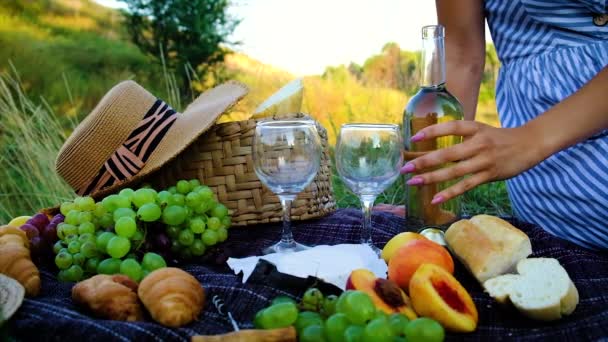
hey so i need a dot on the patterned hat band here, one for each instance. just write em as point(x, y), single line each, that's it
point(131, 156)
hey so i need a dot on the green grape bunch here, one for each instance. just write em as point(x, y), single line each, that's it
point(119, 233)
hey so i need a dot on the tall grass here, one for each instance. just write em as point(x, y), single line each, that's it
point(30, 137)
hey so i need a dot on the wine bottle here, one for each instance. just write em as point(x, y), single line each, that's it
point(432, 104)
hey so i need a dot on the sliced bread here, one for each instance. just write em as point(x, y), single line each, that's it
point(542, 290)
point(487, 245)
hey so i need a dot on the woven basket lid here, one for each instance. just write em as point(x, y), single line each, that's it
point(11, 297)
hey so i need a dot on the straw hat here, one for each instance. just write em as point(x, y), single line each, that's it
point(11, 296)
point(131, 133)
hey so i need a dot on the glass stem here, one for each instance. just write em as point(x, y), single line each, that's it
point(286, 235)
point(367, 201)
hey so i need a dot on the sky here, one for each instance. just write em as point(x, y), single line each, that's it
point(304, 37)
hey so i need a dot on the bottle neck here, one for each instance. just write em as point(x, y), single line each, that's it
point(433, 62)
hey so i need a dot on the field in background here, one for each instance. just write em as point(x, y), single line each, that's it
point(59, 58)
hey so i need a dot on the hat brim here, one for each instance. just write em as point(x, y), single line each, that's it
point(198, 117)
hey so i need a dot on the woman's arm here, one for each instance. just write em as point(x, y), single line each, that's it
point(492, 153)
point(465, 49)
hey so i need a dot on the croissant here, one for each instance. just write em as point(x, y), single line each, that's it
point(173, 297)
point(15, 260)
point(109, 296)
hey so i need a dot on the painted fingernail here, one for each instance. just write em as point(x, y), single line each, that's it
point(408, 167)
point(415, 181)
point(417, 137)
point(437, 199)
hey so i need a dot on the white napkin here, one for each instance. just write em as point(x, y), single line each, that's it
point(333, 264)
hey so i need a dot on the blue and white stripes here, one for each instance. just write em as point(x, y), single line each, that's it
point(549, 49)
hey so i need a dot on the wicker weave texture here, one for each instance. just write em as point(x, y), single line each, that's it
point(222, 159)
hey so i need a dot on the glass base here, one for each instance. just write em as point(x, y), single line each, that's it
point(284, 247)
point(376, 250)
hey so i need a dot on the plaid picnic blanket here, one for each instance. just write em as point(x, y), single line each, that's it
point(53, 317)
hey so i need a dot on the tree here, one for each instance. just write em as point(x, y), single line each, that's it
point(186, 34)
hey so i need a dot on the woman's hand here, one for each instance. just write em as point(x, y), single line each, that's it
point(487, 154)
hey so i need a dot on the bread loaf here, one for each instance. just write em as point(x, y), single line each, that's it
point(487, 245)
point(542, 290)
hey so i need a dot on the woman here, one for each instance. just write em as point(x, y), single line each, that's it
point(551, 96)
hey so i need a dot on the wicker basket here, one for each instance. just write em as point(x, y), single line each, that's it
point(222, 160)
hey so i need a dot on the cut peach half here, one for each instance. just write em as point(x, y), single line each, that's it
point(385, 294)
point(437, 294)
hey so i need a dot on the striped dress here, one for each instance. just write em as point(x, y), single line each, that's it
point(548, 50)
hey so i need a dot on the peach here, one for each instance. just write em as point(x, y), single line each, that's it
point(397, 241)
point(409, 257)
point(437, 294)
point(385, 294)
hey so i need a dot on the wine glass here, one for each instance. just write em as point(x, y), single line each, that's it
point(286, 158)
point(368, 157)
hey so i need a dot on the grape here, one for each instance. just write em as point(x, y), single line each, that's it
point(49, 233)
point(226, 222)
point(202, 208)
point(305, 319)
point(197, 225)
point(424, 329)
point(86, 227)
point(57, 219)
point(66, 207)
point(63, 260)
point(214, 223)
point(185, 253)
point(279, 316)
point(173, 232)
point(85, 203)
point(257, 319)
point(220, 211)
point(78, 259)
point(124, 212)
point(186, 237)
point(163, 198)
point(102, 241)
point(106, 220)
point(209, 237)
point(74, 246)
point(37, 245)
point(39, 220)
point(174, 215)
point(172, 189)
point(143, 196)
point(222, 234)
point(109, 266)
point(194, 183)
point(70, 238)
point(62, 276)
point(110, 203)
point(183, 186)
point(85, 216)
point(138, 236)
point(353, 333)
point(193, 200)
point(131, 255)
point(175, 246)
point(282, 299)
point(127, 193)
point(88, 249)
point(122, 202)
point(57, 246)
point(177, 199)
point(86, 237)
point(312, 299)
point(378, 330)
point(30, 230)
point(132, 269)
point(329, 305)
point(335, 326)
point(357, 306)
point(398, 322)
point(73, 218)
point(149, 212)
point(152, 261)
point(118, 247)
point(64, 230)
point(74, 273)
point(197, 248)
point(312, 333)
point(99, 211)
point(206, 194)
point(125, 227)
point(91, 265)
